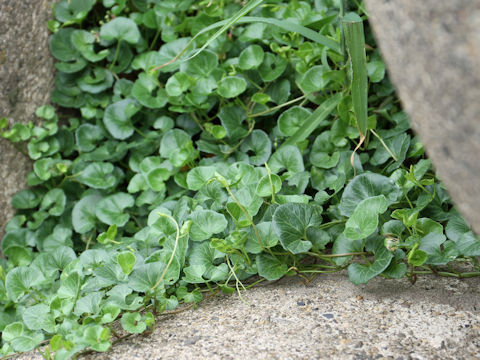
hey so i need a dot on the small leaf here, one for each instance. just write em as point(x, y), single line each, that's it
point(83, 214)
point(110, 209)
point(367, 185)
point(270, 268)
point(198, 177)
point(121, 29)
point(260, 144)
point(364, 219)
point(132, 323)
point(126, 260)
point(291, 121)
point(54, 201)
point(205, 223)
point(287, 158)
point(268, 185)
point(361, 274)
point(117, 118)
point(231, 87)
point(295, 224)
point(98, 175)
point(251, 57)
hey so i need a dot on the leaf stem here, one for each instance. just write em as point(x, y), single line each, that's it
point(115, 57)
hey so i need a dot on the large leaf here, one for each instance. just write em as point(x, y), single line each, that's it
point(121, 29)
point(98, 175)
point(20, 281)
point(367, 185)
point(364, 219)
point(83, 213)
point(296, 225)
point(110, 209)
point(117, 118)
point(205, 223)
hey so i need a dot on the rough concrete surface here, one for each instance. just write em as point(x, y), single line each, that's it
point(437, 318)
point(432, 52)
point(26, 80)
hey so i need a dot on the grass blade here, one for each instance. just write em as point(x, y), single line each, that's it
point(355, 46)
point(314, 120)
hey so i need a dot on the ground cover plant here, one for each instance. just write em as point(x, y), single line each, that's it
point(197, 147)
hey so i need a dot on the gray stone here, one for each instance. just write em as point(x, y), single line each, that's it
point(27, 78)
point(432, 52)
point(364, 326)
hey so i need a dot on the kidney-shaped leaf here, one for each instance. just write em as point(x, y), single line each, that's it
point(117, 118)
point(367, 185)
point(364, 219)
point(110, 209)
point(295, 224)
point(121, 29)
point(83, 213)
point(205, 223)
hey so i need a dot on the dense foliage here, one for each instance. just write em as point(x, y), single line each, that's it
point(162, 175)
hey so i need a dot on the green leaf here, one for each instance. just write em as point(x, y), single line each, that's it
point(272, 67)
point(313, 121)
point(145, 277)
point(83, 41)
point(98, 175)
point(38, 317)
point(364, 219)
point(268, 238)
point(20, 281)
point(126, 260)
point(177, 147)
point(361, 274)
point(147, 92)
point(205, 223)
point(26, 199)
point(231, 87)
point(295, 224)
point(178, 84)
point(54, 201)
point(260, 144)
point(232, 118)
point(95, 81)
point(117, 118)
point(198, 177)
point(269, 185)
point(376, 70)
point(291, 121)
point(367, 185)
point(132, 323)
point(88, 304)
point(97, 337)
point(61, 45)
point(314, 79)
point(201, 65)
point(120, 29)
point(69, 286)
point(270, 268)
point(83, 213)
point(287, 158)
point(251, 57)
point(87, 136)
point(110, 209)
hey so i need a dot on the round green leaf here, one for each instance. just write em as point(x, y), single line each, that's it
point(110, 209)
point(198, 177)
point(117, 118)
point(205, 223)
point(231, 86)
point(121, 29)
point(83, 214)
point(147, 92)
point(54, 201)
point(95, 81)
point(132, 323)
point(270, 268)
point(201, 65)
point(177, 147)
point(260, 144)
point(291, 120)
point(20, 280)
point(287, 157)
point(313, 80)
point(126, 260)
point(98, 175)
point(268, 185)
point(87, 136)
point(272, 67)
point(251, 57)
point(295, 224)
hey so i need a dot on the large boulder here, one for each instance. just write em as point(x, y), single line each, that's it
point(27, 78)
point(432, 52)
